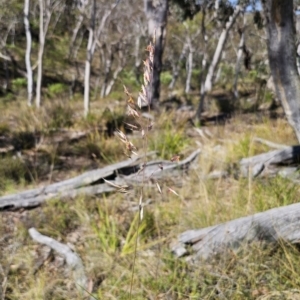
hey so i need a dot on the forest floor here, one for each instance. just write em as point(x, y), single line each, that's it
point(55, 143)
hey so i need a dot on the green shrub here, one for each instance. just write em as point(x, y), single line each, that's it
point(129, 79)
point(169, 142)
point(61, 115)
point(12, 170)
point(56, 89)
point(165, 78)
point(19, 83)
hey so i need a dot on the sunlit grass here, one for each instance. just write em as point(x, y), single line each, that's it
point(102, 230)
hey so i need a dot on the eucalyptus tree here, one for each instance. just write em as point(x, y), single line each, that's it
point(228, 15)
point(28, 53)
point(156, 13)
point(9, 18)
point(240, 51)
point(99, 14)
point(46, 10)
point(281, 39)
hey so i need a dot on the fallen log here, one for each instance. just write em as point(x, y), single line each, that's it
point(73, 261)
point(131, 172)
point(263, 163)
point(161, 168)
point(274, 225)
point(34, 197)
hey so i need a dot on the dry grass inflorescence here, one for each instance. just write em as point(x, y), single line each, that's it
point(108, 232)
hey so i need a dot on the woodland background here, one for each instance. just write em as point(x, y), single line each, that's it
point(62, 99)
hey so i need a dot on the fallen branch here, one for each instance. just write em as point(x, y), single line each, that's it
point(274, 225)
point(269, 143)
point(93, 182)
point(161, 168)
point(32, 198)
point(255, 165)
point(72, 259)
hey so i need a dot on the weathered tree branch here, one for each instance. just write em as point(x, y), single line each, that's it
point(264, 162)
point(269, 143)
point(93, 182)
point(274, 225)
point(72, 259)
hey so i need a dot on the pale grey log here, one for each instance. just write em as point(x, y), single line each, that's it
point(288, 155)
point(79, 185)
point(153, 170)
point(36, 196)
point(274, 225)
point(34, 201)
point(72, 259)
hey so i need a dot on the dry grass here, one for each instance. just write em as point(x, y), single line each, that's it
point(108, 232)
point(103, 231)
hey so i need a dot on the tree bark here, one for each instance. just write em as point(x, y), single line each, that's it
point(156, 12)
point(218, 52)
point(176, 66)
point(89, 56)
point(189, 66)
point(28, 52)
point(204, 64)
point(282, 57)
point(94, 36)
point(42, 37)
point(209, 80)
point(115, 74)
point(75, 34)
point(239, 57)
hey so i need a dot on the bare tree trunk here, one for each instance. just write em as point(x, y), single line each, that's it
point(239, 57)
point(116, 73)
point(108, 63)
point(282, 57)
point(137, 59)
point(189, 67)
point(93, 39)
point(204, 64)
point(209, 81)
point(218, 52)
point(42, 37)
point(5, 56)
point(40, 56)
point(113, 80)
point(156, 13)
point(89, 56)
point(27, 55)
point(219, 71)
point(74, 35)
point(176, 66)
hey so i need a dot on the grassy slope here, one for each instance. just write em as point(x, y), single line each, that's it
point(102, 229)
